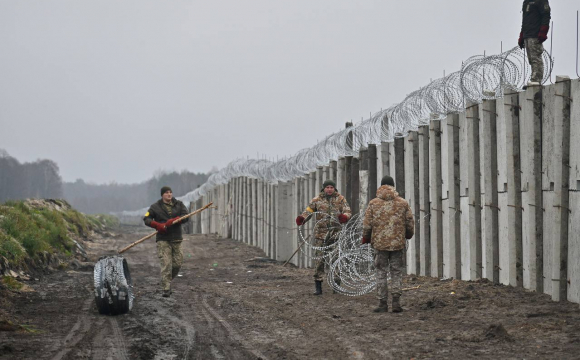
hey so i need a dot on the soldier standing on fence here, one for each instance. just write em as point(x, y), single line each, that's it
point(535, 25)
point(330, 206)
point(163, 216)
point(387, 224)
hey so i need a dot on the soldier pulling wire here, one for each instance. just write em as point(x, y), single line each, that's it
point(332, 210)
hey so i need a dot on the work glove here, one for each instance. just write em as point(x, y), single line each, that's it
point(300, 220)
point(173, 221)
point(543, 35)
point(159, 227)
point(366, 240)
point(521, 40)
point(342, 218)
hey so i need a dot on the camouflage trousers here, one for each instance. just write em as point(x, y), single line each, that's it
point(385, 262)
point(170, 258)
point(535, 49)
point(320, 263)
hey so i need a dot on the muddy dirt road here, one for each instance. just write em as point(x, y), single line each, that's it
point(230, 304)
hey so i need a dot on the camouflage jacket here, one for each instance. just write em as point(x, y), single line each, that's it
point(332, 205)
point(388, 220)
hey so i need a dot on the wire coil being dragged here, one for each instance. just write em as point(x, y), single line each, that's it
point(350, 265)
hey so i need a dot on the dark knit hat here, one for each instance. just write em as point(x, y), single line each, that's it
point(165, 189)
point(387, 180)
point(328, 182)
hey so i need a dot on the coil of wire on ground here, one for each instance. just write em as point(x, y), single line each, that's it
point(113, 285)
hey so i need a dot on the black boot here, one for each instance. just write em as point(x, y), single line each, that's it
point(383, 307)
point(396, 305)
point(337, 281)
point(318, 284)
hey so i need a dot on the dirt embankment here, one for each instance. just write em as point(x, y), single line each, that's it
point(231, 303)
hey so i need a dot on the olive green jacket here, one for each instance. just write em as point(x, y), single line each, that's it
point(158, 212)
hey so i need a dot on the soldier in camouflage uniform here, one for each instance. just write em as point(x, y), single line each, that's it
point(535, 26)
point(388, 222)
point(163, 216)
point(330, 205)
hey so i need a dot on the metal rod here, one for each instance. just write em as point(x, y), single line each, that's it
point(551, 45)
point(577, 44)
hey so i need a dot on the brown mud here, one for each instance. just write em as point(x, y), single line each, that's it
point(231, 303)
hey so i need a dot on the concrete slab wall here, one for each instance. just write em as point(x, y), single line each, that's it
point(494, 191)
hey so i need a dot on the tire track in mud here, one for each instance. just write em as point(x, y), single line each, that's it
point(121, 349)
point(189, 331)
point(293, 325)
point(78, 331)
point(229, 328)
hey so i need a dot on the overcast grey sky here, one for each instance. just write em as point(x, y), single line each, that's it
point(116, 90)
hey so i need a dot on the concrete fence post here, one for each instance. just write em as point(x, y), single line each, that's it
point(489, 168)
point(355, 185)
point(453, 262)
point(511, 265)
point(372, 167)
point(411, 153)
point(255, 212)
point(284, 222)
point(574, 218)
point(436, 198)
point(363, 191)
point(348, 180)
point(384, 164)
point(531, 104)
point(296, 205)
point(474, 194)
point(555, 184)
point(341, 177)
point(333, 169)
point(274, 225)
point(425, 205)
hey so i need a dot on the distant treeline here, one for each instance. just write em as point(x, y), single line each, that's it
point(39, 179)
point(95, 199)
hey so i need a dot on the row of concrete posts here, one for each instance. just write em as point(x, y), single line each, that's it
point(495, 192)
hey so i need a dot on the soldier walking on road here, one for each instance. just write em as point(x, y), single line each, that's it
point(163, 216)
point(330, 206)
point(535, 25)
point(388, 222)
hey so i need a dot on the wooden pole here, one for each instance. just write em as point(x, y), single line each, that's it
point(155, 233)
point(299, 247)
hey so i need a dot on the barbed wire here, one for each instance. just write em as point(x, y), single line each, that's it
point(481, 78)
